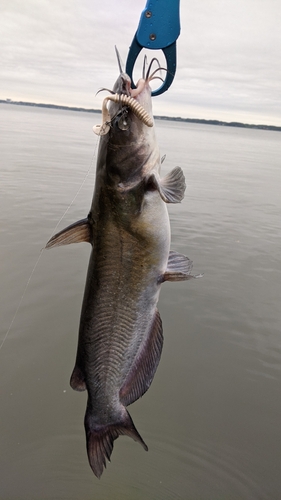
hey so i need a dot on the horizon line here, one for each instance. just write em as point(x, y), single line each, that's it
point(158, 117)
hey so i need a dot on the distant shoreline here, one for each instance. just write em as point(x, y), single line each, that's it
point(167, 118)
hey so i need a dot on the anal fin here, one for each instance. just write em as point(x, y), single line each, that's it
point(143, 370)
point(75, 233)
point(179, 268)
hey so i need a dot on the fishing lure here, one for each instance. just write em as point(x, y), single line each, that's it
point(135, 106)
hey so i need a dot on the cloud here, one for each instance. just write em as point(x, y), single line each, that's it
point(63, 52)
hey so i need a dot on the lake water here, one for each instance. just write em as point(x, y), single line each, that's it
point(212, 416)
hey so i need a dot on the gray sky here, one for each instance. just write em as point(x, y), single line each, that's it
point(229, 55)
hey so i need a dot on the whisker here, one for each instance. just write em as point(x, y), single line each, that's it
point(144, 66)
point(156, 78)
point(150, 65)
point(119, 60)
point(157, 69)
point(108, 90)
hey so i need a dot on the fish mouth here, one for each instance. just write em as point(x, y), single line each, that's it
point(137, 99)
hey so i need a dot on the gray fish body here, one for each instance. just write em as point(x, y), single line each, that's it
point(119, 307)
point(120, 335)
point(121, 292)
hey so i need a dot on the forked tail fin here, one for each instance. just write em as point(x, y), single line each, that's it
point(100, 439)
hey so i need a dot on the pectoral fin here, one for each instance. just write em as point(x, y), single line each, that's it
point(143, 370)
point(179, 268)
point(75, 233)
point(172, 187)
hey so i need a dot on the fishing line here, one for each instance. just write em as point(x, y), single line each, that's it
point(21, 299)
point(42, 250)
point(79, 189)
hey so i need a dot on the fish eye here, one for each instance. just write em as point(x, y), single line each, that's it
point(121, 119)
point(123, 123)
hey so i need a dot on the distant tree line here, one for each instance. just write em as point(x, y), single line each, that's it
point(169, 118)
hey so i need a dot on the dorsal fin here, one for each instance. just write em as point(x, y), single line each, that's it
point(77, 379)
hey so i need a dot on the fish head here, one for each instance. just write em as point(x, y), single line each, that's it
point(128, 133)
point(127, 174)
point(134, 103)
point(129, 109)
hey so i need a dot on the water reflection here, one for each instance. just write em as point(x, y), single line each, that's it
point(212, 416)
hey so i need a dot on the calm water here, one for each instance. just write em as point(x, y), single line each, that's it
point(212, 416)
